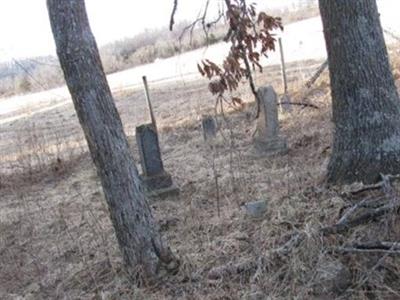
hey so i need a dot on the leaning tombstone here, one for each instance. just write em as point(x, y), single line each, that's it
point(267, 139)
point(157, 182)
point(209, 127)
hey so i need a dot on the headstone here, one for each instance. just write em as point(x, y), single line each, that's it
point(256, 209)
point(156, 180)
point(268, 139)
point(209, 127)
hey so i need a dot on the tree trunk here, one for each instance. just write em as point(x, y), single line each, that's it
point(139, 240)
point(365, 102)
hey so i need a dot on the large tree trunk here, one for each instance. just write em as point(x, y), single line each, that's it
point(365, 102)
point(140, 242)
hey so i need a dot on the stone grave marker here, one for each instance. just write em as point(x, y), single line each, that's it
point(156, 180)
point(267, 139)
point(209, 127)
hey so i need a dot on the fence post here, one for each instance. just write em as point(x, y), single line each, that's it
point(285, 100)
point(149, 106)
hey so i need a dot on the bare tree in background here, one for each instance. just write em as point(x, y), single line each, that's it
point(247, 30)
point(365, 102)
point(144, 252)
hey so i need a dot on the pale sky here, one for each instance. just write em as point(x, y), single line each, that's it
point(25, 29)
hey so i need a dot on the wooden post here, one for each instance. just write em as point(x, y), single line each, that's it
point(149, 106)
point(283, 67)
point(285, 100)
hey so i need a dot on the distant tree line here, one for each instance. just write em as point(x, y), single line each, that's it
point(42, 73)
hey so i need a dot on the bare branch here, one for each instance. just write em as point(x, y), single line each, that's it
point(372, 247)
point(200, 20)
point(172, 20)
point(299, 103)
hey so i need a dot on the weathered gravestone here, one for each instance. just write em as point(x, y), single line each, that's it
point(267, 138)
point(156, 180)
point(209, 127)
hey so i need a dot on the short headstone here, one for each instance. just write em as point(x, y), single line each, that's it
point(267, 139)
point(209, 127)
point(156, 180)
point(256, 209)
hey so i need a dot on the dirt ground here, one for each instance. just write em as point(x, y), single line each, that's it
point(56, 238)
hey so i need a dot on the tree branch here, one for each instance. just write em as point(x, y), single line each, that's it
point(172, 20)
point(299, 103)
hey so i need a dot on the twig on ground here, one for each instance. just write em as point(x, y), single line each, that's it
point(373, 247)
point(230, 269)
point(293, 242)
point(304, 104)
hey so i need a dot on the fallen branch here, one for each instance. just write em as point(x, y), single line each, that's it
point(372, 247)
point(351, 211)
point(304, 104)
point(370, 215)
point(345, 250)
point(318, 73)
point(293, 242)
point(350, 219)
point(230, 269)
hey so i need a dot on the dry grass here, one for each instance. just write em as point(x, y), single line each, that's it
point(57, 241)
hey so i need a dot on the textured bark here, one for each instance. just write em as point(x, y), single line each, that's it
point(139, 240)
point(365, 102)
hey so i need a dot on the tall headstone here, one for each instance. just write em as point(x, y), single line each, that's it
point(268, 139)
point(156, 180)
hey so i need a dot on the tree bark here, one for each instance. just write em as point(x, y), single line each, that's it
point(139, 240)
point(365, 102)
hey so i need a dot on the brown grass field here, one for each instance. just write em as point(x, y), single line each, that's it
point(56, 239)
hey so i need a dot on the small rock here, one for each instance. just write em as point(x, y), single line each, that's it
point(256, 209)
point(33, 288)
point(167, 223)
point(240, 236)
